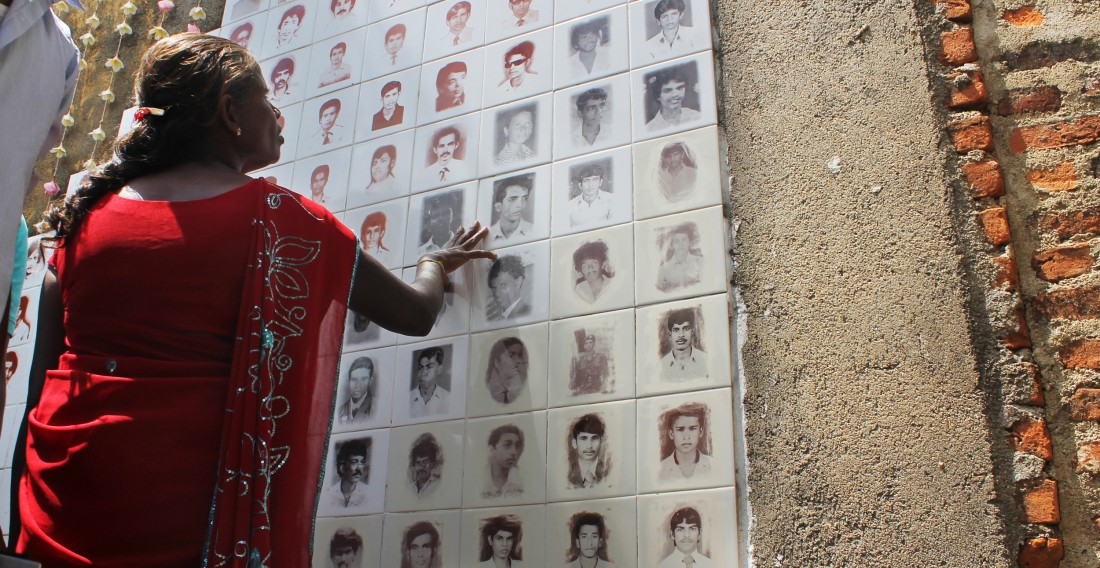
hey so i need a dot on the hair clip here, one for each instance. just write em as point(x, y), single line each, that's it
point(143, 112)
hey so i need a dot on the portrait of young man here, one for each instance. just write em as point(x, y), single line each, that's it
point(352, 469)
point(588, 545)
point(444, 165)
point(381, 169)
point(329, 131)
point(281, 77)
point(587, 463)
point(341, 9)
point(345, 550)
point(685, 528)
point(511, 210)
point(391, 113)
point(682, 264)
point(450, 86)
point(591, 263)
point(288, 32)
point(338, 69)
point(502, 475)
point(372, 232)
point(506, 278)
point(677, 171)
point(669, 91)
point(518, 61)
point(420, 548)
point(515, 133)
point(442, 214)
point(359, 405)
point(318, 179)
point(590, 368)
point(673, 37)
point(501, 538)
point(458, 31)
point(520, 17)
point(506, 376)
point(590, 126)
point(425, 465)
point(682, 454)
point(593, 203)
point(242, 34)
point(684, 359)
point(590, 55)
point(393, 41)
point(428, 397)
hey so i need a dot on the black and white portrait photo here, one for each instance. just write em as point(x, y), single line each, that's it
point(361, 394)
point(364, 390)
point(514, 288)
point(340, 16)
point(289, 27)
point(682, 351)
point(352, 486)
point(512, 210)
point(591, 451)
point(589, 462)
point(394, 44)
point(447, 152)
point(592, 533)
point(429, 395)
point(588, 272)
point(679, 349)
point(682, 263)
point(666, 29)
point(676, 173)
point(381, 169)
point(507, 18)
point(434, 385)
point(521, 136)
point(454, 26)
point(511, 366)
point(592, 192)
point(285, 76)
point(681, 255)
point(501, 542)
point(328, 122)
point(589, 541)
point(592, 117)
point(518, 68)
point(568, 10)
point(687, 529)
point(506, 376)
point(425, 467)
point(506, 459)
point(591, 368)
point(591, 47)
point(512, 537)
point(336, 62)
point(684, 440)
point(420, 540)
point(674, 96)
point(592, 358)
point(685, 447)
point(347, 542)
point(434, 218)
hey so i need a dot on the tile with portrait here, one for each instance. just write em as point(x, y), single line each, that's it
point(381, 230)
point(281, 175)
point(507, 371)
point(381, 169)
point(451, 86)
point(290, 117)
point(591, 192)
point(387, 105)
point(674, 96)
point(430, 382)
point(519, 67)
point(600, 531)
point(434, 216)
point(364, 390)
point(355, 474)
point(591, 47)
point(569, 9)
point(430, 539)
point(504, 536)
point(454, 317)
point(685, 441)
point(515, 206)
point(591, 117)
point(592, 272)
point(362, 333)
point(355, 542)
point(253, 33)
point(684, 345)
point(336, 62)
point(677, 173)
point(26, 318)
point(236, 10)
point(39, 253)
point(394, 45)
point(425, 467)
point(17, 372)
point(512, 290)
point(324, 178)
point(591, 359)
point(681, 255)
point(334, 17)
point(286, 77)
point(508, 18)
point(590, 451)
point(516, 136)
point(505, 460)
point(446, 152)
point(702, 524)
point(384, 9)
point(328, 121)
point(667, 29)
point(289, 27)
point(453, 26)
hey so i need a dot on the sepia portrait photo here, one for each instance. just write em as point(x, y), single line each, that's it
point(380, 229)
point(507, 18)
point(433, 386)
point(384, 9)
point(249, 34)
point(289, 27)
point(286, 77)
point(517, 206)
point(590, 272)
point(513, 289)
point(381, 169)
point(420, 540)
point(676, 445)
point(666, 29)
point(323, 178)
point(454, 26)
point(592, 191)
point(519, 68)
point(677, 173)
point(521, 136)
point(364, 390)
point(681, 255)
point(434, 217)
point(591, 451)
point(591, 47)
point(457, 86)
point(591, 358)
point(336, 63)
point(425, 467)
point(588, 533)
point(394, 45)
point(338, 16)
point(446, 152)
point(592, 117)
point(26, 317)
point(328, 122)
point(348, 542)
point(17, 371)
point(511, 537)
point(505, 460)
point(693, 528)
point(388, 104)
point(674, 96)
point(352, 486)
point(507, 371)
point(680, 349)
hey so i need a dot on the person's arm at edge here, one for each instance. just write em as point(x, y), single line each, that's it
point(411, 309)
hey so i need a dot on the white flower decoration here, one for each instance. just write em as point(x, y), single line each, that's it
point(197, 13)
point(87, 39)
point(92, 21)
point(129, 9)
point(58, 151)
point(158, 33)
point(60, 8)
point(89, 164)
point(68, 120)
point(83, 64)
point(98, 134)
point(124, 29)
point(107, 95)
point(114, 64)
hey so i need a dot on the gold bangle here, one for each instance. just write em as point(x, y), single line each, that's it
point(433, 261)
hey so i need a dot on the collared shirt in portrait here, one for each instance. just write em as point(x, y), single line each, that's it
point(330, 76)
point(602, 138)
point(504, 389)
point(352, 412)
point(675, 273)
point(281, 96)
point(497, 237)
point(586, 475)
point(443, 102)
point(380, 121)
point(687, 40)
point(687, 116)
point(511, 21)
point(670, 469)
point(463, 36)
point(694, 366)
point(678, 185)
point(600, 563)
point(582, 212)
point(430, 245)
point(452, 172)
point(513, 484)
point(584, 290)
point(334, 135)
point(600, 65)
point(509, 156)
point(428, 488)
point(438, 403)
point(677, 560)
point(384, 186)
point(337, 499)
point(490, 564)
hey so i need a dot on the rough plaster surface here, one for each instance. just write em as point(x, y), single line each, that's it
point(865, 431)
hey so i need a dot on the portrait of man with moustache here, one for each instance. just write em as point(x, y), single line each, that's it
point(444, 165)
point(352, 469)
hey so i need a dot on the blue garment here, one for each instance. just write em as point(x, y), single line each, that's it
point(18, 274)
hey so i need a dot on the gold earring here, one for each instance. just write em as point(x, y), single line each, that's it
point(238, 131)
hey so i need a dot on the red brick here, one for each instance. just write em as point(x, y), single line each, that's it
point(1061, 177)
point(1084, 405)
point(995, 224)
point(1076, 132)
point(1031, 436)
point(957, 47)
point(971, 133)
point(1037, 398)
point(1024, 17)
point(1070, 303)
point(957, 10)
point(966, 91)
point(1021, 338)
point(1081, 354)
point(1060, 263)
point(985, 178)
point(1040, 502)
point(1007, 276)
point(1042, 552)
point(1037, 99)
point(1088, 458)
point(1072, 223)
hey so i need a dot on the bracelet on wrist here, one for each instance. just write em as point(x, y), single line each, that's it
point(436, 262)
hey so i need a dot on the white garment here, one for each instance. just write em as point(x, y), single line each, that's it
point(601, 65)
point(437, 404)
point(583, 213)
point(676, 560)
point(687, 39)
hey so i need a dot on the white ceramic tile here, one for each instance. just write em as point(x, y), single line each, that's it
point(592, 272)
point(453, 26)
point(507, 18)
point(335, 17)
point(505, 460)
point(591, 47)
point(251, 33)
point(666, 29)
point(446, 152)
point(451, 86)
point(592, 191)
point(428, 539)
point(685, 441)
point(389, 8)
point(519, 68)
point(516, 207)
point(605, 530)
point(381, 169)
point(590, 451)
point(365, 390)
point(381, 230)
point(240, 9)
point(388, 104)
point(17, 372)
point(430, 384)
point(568, 9)
point(336, 62)
point(592, 358)
point(707, 525)
point(454, 317)
point(291, 120)
point(434, 217)
point(281, 175)
point(361, 333)
point(37, 256)
point(354, 484)
point(286, 76)
point(513, 289)
point(516, 136)
point(674, 96)
point(289, 27)
point(330, 550)
point(324, 178)
point(677, 173)
point(26, 320)
point(507, 371)
point(512, 535)
point(592, 116)
point(682, 255)
point(328, 122)
point(684, 346)
point(425, 467)
point(394, 44)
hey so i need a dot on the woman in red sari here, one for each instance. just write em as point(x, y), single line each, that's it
point(190, 332)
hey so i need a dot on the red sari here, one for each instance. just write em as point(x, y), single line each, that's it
point(187, 421)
